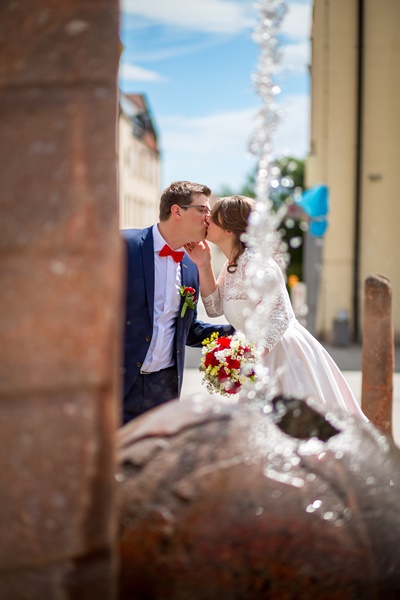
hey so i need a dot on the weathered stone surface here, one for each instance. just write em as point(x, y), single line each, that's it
point(65, 42)
point(219, 502)
point(57, 469)
point(82, 579)
point(56, 189)
point(60, 310)
point(60, 302)
point(378, 352)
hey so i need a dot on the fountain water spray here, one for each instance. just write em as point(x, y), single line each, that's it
point(262, 231)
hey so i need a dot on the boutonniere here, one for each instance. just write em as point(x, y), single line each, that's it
point(189, 295)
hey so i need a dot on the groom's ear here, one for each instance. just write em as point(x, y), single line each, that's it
point(176, 212)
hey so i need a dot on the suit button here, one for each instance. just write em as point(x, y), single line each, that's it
point(128, 322)
point(138, 364)
point(148, 338)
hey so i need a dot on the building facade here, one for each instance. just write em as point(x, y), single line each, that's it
point(355, 146)
point(139, 164)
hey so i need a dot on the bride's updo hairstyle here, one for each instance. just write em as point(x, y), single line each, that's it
point(231, 214)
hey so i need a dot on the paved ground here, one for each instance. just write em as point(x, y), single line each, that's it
point(348, 359)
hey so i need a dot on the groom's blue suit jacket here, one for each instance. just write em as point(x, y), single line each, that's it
point(140, 307)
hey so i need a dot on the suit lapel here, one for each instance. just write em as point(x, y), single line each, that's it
point(184, 271)
point(148, 268)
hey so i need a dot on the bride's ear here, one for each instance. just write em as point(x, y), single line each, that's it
point(228, 233)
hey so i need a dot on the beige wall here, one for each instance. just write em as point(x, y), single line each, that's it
point(139, 179)
point(381, 169)
point(333, 146)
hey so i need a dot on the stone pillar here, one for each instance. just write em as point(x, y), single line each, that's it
point(60, 272)
point(378, 352)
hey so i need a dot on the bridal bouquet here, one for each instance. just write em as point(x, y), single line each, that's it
point(227, 363)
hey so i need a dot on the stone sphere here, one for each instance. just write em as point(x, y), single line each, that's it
point(239, 502)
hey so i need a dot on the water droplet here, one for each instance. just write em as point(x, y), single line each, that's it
point(328, 516)
point(314, 506)
point(259, 511)
point(297, 482)
point(295, 242)
point(338, 523)
point(304, 226)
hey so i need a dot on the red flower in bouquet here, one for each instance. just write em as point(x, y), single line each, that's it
point(233, 363)
point(226, 363)
point(224, 341)
point(210, 359)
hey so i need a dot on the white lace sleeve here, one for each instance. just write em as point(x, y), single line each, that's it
point(281, 309)
point(214, 303)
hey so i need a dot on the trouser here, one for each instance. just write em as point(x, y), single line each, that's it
point(150, 390)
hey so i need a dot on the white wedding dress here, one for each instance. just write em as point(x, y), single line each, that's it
point(299, 366)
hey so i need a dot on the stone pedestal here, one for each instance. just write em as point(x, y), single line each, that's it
point(378, 352)
point(60, 273)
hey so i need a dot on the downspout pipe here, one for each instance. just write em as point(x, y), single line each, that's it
point(358, 170)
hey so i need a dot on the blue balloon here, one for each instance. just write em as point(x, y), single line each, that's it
point(318, 227)
point(315, 201)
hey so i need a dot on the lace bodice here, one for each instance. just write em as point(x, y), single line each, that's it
point(231, 298)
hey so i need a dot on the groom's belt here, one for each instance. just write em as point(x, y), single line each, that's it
point(159, 371)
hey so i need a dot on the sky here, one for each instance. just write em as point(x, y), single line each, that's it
point(194, 61)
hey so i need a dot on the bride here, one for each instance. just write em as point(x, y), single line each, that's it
point(298, 364)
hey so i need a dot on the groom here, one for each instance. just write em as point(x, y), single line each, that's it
point(157, 270)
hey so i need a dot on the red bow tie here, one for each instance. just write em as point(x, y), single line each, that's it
point(167, 251)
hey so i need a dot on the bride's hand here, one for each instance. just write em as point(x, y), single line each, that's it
point(199, 252)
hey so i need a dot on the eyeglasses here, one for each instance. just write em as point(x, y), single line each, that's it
point(200, 207)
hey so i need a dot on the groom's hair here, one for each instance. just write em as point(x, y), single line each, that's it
point(180, 192)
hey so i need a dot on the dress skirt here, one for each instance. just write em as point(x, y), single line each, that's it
point(299, 366)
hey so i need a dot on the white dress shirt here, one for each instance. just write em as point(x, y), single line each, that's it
point(167, 283)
